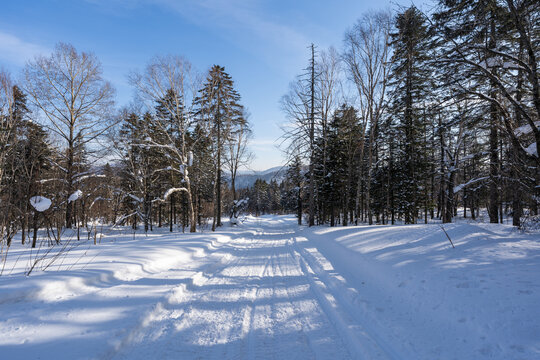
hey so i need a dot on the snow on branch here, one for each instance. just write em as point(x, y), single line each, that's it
point(137, 199)
point(40, 203)
point(88, 176)
point(119, 221)
point(75, 196)
point(171, 191)
point(43, 181)
point(470, 182)
point(99, 198)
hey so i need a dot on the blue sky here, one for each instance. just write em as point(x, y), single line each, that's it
point(262, 44)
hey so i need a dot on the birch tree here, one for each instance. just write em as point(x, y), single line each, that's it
point(68, 87)
point(367, 56)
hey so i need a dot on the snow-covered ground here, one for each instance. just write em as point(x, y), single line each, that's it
point(270, 290)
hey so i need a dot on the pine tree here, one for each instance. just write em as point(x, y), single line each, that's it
point(409, 85)
point(203, 169)
point(29, 159)
point(218, 104)
point(335, 180)
point(259, 198)
point(140, 167)
point(295, 178)
point(490, 50)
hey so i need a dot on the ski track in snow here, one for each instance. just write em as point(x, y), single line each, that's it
point(270, 290)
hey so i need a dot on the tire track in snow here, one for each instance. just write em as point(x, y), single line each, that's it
point(248, 326)
point(287, 303)
point(361, 342)
point(317, 350)
point(234, 333)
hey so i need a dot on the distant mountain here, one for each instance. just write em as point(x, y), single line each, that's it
point(245, 179)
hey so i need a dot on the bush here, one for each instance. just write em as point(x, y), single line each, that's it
point(530, 223)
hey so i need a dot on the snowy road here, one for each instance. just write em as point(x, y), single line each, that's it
point(271, 290)
point(261, 299)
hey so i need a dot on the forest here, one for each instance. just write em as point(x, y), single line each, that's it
point(417, 116)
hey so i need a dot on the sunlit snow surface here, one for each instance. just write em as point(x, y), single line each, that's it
point(267, 289)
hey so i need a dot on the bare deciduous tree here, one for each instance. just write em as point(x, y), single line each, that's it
point(238, 154)
point(69, 89)
point(367, 57)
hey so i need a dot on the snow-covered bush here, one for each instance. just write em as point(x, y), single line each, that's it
point(237, 209)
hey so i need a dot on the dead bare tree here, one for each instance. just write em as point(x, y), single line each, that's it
point(301, 106)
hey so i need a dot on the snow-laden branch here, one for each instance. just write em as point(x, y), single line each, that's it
point(171, 191)
point(468, 183)
point(40, 203)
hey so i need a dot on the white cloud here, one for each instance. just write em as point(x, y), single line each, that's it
point(17, 51)
point(245, 24)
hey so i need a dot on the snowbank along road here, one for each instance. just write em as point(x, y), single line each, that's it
point(271, 290)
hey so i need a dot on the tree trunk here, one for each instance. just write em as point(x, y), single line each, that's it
point(449, 198)
point(36, 225)
point(171, 213)
point(233, 187)
point(299, 203)
point(191, 210)
point(217, 211)
point(441, 208)
point(146, 212)
point(23, 228)
point(516, 206)
point(160, 206)
point(493, 209)
point(312, 142)
point(69, 168)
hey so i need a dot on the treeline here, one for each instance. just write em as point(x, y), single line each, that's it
point(70, 159)
point(419, 115)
